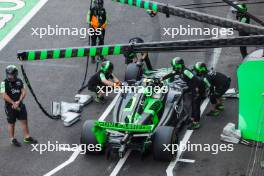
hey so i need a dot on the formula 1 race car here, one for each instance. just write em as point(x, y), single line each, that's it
point(144, 120)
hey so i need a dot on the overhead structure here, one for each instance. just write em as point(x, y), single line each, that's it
point(106, 50)
point(193, 15)
point(232, 4)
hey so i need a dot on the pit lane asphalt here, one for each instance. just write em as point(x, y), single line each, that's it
point(59, 80)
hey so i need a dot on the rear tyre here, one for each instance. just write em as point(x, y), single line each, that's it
point(164, 136)
point(88, 138)
point(133, 72)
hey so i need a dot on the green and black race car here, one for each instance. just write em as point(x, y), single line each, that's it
point(142, 120)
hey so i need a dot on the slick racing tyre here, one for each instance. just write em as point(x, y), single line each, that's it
point(133, 72)
point(164, 136)
point(88, 138)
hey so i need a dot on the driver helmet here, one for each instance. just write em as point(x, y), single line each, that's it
point(131, 55)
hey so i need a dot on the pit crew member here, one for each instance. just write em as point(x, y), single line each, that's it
point(196, 87)
point(242, 17)
point(219, 82)
point(13, 92)
point(100, 80)
point(98, 20)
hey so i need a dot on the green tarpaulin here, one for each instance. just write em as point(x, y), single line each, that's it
point(251, 99)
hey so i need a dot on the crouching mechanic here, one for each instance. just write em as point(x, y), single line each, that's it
point(100, 80)
point(13, 92)
point(220, 83)
point(196, 87)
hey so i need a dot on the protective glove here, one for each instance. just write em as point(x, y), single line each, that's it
point(117, 84)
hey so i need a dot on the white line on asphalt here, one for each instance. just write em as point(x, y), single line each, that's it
point(109, 108)
point(204, 105)
point(184, 141)
point(78, 151)
point(217, 51)
point(22, 23)
point(186, 160)
point(215, 58)
point(120, 164)
point(186, 138)
point(69, 161)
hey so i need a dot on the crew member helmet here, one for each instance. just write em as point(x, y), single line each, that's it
point(177, 63)
point(107, 67)
point(11, 70)
point(200, 68)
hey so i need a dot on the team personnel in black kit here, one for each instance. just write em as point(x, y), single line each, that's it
point(242, 17)
point(98, 21)
point(101, 79)
point(13, 92)
point(219, 82)
point(197, 87)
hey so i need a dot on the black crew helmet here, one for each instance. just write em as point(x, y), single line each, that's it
point(12, 70)
point(130, 55)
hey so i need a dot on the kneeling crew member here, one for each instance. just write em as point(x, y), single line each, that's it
point(101, 79)
point(13, 92)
